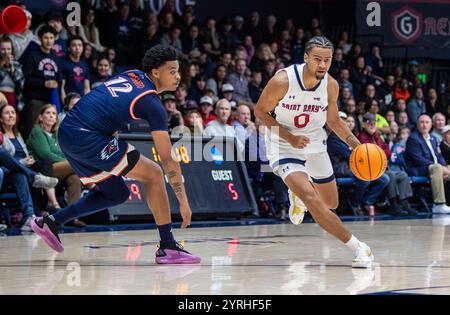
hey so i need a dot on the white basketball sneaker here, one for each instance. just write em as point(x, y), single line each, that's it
point(297, 209)
point(364, 257)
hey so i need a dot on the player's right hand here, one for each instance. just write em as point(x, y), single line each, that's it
point(298, 142)
point(186, 214)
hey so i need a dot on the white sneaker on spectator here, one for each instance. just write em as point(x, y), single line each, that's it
point(46, 182)
point(3, 227)
point(26, 227)
point(441, 208)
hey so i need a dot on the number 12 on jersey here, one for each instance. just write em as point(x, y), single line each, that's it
point(124, 87)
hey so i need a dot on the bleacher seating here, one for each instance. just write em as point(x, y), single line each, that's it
point(421, 199)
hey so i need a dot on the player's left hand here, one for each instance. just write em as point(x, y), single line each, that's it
point(186, 214)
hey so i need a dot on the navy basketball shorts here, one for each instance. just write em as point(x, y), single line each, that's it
point(94, 156)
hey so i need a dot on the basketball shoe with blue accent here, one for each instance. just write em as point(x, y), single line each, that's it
point(297, 209)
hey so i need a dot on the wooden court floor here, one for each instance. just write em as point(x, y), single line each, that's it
point(412, 256)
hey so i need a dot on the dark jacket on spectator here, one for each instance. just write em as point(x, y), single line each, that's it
point(38, 68)
point(228, 40)
point(436, 107)
point(374, 62)
point(190, 44)
point(256, 34)
point(254, 91)
point(418, 155)
point(336, 67)
point(387, 93)
point(359, 80)
point(445, 150)
point(257, 64)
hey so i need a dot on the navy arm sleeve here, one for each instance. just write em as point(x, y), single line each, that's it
point(150, 108)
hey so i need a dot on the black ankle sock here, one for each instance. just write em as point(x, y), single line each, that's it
point(165, 233)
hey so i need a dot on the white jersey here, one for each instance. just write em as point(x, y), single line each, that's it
point(302, 112)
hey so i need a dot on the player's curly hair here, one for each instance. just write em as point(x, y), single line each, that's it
point(318, 41)
point(157, 56)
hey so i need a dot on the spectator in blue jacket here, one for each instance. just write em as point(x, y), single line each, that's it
point(366, 192)
point(423, 158)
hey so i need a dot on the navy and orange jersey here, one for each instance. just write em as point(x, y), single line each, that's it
point(115, 103)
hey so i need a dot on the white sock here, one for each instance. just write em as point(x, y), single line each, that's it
point(51, 217)
point(353, 243)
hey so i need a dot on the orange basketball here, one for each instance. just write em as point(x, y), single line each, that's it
point(368, 162)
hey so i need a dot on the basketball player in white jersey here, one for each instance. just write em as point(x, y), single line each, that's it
point(295, 105)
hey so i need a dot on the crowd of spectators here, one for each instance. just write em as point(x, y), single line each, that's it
point(225, 64)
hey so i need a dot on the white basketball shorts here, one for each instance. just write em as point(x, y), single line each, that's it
point(316, 165)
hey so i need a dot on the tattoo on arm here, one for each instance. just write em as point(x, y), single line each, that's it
point(171, 175)
point(177, 188)
point(352, 141)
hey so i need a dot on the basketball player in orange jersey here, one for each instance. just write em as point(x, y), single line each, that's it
point(295, 105)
